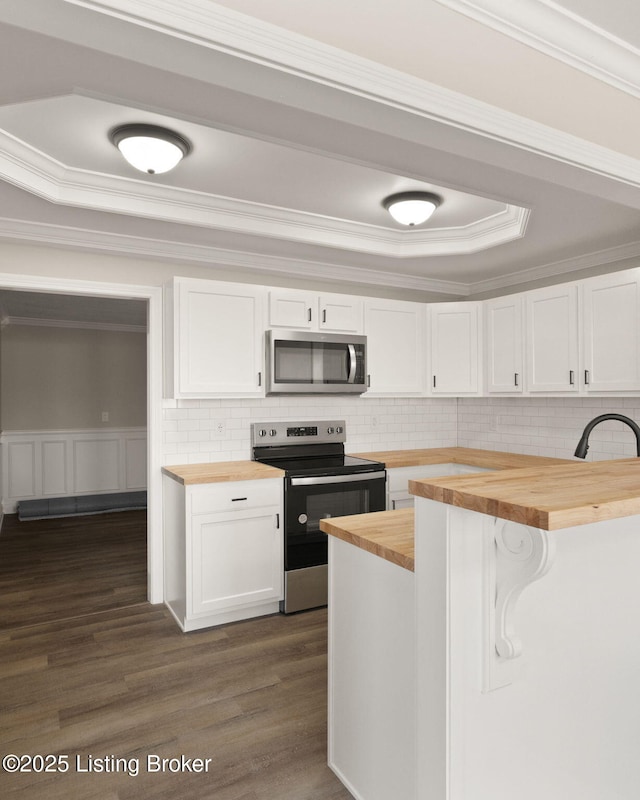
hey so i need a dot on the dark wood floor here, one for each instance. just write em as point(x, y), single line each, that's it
point(126, 683)
point(57, 568)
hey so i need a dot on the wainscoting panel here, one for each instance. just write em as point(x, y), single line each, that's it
point(38, 464)
point(21, 477)
point(54, 468)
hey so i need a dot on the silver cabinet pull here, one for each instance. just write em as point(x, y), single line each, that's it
point(515, 378)
point(571, 377)
point(586, 377)
point(434, 381)
point(368, 381)
point(277, 520)
point(259, 379)
point(324, 314)
point(309, 314)
point(237, 499)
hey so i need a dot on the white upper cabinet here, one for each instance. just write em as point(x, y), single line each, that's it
point(301, 310)
point(455, 339)
point(395, 347)
point(341, 313)
point(611, 332)
point(552, 339)
point(504, 321)
point(293, 309)
point(216, 339)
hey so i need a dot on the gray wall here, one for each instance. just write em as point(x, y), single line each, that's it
point(64, 378)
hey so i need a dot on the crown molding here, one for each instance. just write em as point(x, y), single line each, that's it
point(561, 34)
point(599, 258)
point(206, 24)
point(165, 250)
point(38, 173)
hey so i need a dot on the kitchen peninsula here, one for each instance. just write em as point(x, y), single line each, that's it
point(505, 662)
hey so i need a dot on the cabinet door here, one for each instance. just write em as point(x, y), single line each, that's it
point(340, 313)
point(395, 347)
point(293, 309)
point(505, 344)
point(611, 331)
point(236, 559)
point(455, 348)
point(220, 332)
point(552, 339)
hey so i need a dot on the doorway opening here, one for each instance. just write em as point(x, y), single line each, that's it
point(97, 301)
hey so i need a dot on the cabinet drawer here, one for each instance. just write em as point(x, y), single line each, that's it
point(236, 496)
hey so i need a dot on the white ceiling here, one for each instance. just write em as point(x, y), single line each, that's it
point(296, 143)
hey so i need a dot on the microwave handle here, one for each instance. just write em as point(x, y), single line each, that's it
point(352, 364)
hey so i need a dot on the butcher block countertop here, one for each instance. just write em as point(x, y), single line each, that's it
point(388, 534)
point(561, 496)
point(489, 459)
point(216, 472)
point(547, 493)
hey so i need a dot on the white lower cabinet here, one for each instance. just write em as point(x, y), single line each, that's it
point(223, 551)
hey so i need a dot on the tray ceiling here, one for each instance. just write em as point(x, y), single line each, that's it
point(293, 155)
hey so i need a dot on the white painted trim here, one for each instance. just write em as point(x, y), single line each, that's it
point(206, 24)
point(601, 258)
point(561, 34)
point(163, 250)
point(153, 295)
point(66, 463)
point(36, 172)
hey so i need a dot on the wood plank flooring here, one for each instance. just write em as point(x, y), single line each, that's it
point(57, 568)
point(125, 684)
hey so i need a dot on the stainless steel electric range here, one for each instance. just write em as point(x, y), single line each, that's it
point(320, 481)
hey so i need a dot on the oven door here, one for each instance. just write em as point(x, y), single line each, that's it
point(310, 499)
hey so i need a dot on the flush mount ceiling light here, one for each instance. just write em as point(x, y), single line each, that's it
point(149, 148)
point(412, 208)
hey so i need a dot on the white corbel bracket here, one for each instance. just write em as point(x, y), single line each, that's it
point(515, 556)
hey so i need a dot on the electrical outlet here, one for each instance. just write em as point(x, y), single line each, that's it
point(221, 428)
point(105, 416)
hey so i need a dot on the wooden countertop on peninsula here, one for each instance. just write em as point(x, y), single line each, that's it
point(388, 534)
point(490, 459)
point(221, 471)
point(551, 498)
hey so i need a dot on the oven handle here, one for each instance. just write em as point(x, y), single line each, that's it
point(316, 480)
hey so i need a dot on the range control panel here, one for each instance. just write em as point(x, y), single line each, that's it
point(277, 433)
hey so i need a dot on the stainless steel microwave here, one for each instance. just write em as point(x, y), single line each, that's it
point(302, 362)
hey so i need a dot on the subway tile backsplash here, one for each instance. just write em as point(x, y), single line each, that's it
point(547, 426)
point(219, 430)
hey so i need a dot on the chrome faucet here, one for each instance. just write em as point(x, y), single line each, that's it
point(583, 444)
